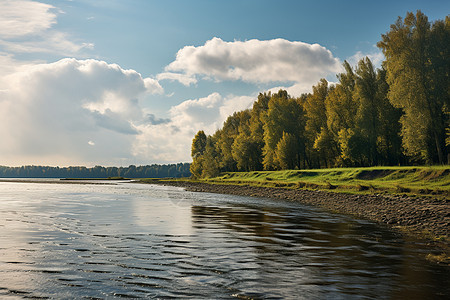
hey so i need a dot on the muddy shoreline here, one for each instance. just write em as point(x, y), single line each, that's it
point(424, 218)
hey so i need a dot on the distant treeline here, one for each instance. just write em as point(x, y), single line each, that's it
point(149, 171)
point(396, 115)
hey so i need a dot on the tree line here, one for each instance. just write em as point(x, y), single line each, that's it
point(132, 171)
point(395, 115)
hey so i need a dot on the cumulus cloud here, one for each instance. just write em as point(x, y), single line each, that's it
point(170, 141)
point(255, 61)
point(92, 112)
point(26, 27)
point(153, 86)
point(54, 113)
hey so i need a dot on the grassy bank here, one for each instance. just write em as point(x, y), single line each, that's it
point(433, 180)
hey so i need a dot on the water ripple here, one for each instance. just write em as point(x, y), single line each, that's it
point(143, 241)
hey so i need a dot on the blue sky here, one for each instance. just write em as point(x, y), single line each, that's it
point(130, 82)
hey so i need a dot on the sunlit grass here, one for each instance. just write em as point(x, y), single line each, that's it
point(417, 180)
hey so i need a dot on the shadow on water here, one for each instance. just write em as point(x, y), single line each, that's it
point(304, 247)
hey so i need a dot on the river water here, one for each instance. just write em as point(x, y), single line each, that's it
point(66, 241)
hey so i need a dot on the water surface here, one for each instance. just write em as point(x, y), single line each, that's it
point(65, 241)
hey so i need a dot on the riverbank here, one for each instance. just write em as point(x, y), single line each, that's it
point(425, 218)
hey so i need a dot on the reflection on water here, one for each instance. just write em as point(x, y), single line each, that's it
point(144, 241)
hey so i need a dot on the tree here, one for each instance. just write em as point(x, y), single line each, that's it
point(316, 118)
point(284, 114)
point(365, 95)
point(197, 151)
point(225, 138)
point(286, 153)
point(325, 144)
point(389, 142)
point(246, 151)
point(198, 144)
point(341, 110)
point(209, 163)
point(417, 65)
point(340, 106)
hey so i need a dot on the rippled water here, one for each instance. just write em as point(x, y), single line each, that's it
point(67, 241)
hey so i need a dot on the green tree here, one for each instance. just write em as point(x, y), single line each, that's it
point(341, 110)
point(198, 144)
point(340, 106)
point(389, 142)
point(197, 151)
point(325, 144)
point(284, 114)
point(417, 65)
point(246, 151)
point(210, 165)
point(365, 96)
point(286, 153)
point(316, 120)
point(256, 126)
point(225, 138)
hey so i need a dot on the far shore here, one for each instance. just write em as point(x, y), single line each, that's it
point(59, 180)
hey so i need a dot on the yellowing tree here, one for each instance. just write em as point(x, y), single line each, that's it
point(417, 65)
point(287, 152)
point(283, 115)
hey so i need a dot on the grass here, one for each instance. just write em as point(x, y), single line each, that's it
point(433, 180)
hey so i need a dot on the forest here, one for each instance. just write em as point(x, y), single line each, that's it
point(149, 171)
point(395, 115)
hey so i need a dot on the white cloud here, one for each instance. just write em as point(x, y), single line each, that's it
point(26, 27)
point(171, 141)
point(19, 18)
point(256, 61)
point(90, 112)
point(52, 42)
point(52, 113)
point(184, 79)
point(153, 86)
point(11, 65)
point(207, 113)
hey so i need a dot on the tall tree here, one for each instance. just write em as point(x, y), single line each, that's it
point(225, 138)
point(197, 151)
point(365, 95)
point(316, 119)
point(341, 110)
point(246, 150)
point(340, 106)
point(283, 115)
point(417, 65)
point(389, 142)
point(286, 152)
point(210, 165)
point(198, 144)
point(258, 113)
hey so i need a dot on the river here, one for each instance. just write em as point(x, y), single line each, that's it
point(106, 241)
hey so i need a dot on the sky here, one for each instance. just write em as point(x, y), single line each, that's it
point(121, 82)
